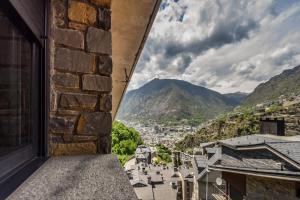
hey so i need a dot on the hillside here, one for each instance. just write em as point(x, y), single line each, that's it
point(245, 121)
point(237, 97)
point(285, 83)
point(170, 100)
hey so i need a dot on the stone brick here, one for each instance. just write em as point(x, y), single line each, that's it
point(56, 138)
point(96, 83)
point(59, 10)
point(269, 189)
point(77, 26)
point(98, 41)
point(97, 123)
point(84, 138)
point(104, 144)
point(69, 37)
point(106, 102)
point(61, 149)
point(62, 124)
point(66, 80)
point(104, 18)
point(81, 12)
point(103, 3)
point(78, 101)
point(105, 65)
point(73, 61)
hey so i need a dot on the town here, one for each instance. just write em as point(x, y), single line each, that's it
point(156, 133)
point(238, 168)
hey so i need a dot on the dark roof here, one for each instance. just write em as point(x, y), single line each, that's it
point(256, 159)
point(200, 160)
point(288, 149)
point(185, 173)
point(271, 154)
point(250, 140)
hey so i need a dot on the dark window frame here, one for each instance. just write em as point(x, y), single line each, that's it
point(18, 175)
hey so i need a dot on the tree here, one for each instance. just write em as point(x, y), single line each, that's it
point(124, 141)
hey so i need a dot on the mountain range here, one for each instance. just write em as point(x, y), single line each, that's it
point(171, 100)
point(166, 100)
point(286, 83)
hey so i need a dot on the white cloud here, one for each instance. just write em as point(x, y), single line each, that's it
point(225, 45)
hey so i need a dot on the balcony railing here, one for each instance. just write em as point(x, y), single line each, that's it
point(219, 193)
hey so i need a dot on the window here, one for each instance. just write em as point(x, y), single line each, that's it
point(21, 86)
point(297, 189)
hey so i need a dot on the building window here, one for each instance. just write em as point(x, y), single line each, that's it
point(20, 93)
point(297, 189)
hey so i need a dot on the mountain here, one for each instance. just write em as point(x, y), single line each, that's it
point(237, 97)
point(286, 83)
point(170, 100)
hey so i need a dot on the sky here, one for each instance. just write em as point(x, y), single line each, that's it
point(224, 45)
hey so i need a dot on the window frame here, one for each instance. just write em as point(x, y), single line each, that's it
point(26, 22)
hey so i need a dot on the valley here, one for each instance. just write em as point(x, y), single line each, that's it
point(181, 115)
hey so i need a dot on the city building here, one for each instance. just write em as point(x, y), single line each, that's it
point(249, 167)
point(143, 154)
point(65, 66)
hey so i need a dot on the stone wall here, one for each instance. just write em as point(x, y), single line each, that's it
point(80, 82)
point(269, 189)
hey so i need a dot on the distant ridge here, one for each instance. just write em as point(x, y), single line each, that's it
point(286, 83)
point(166, 100)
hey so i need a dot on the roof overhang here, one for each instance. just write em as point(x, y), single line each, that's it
point(131, 23)
point(291, 177)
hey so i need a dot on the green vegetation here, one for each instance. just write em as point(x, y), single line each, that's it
point(274, 108)
point(124, 141)
point(163, 154)
point(285, 83)
point(241, 122)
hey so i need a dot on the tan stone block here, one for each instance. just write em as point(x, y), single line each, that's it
point(78, 101)
point(106, 102)
point(77, 26)
point(58, 10)
point(84, 138)
point(66, 80)
point(96, 83)
point(82, 12)
point(104, 144)
point(69, 37)
point(97, 123)
point(73, 148)
point(104, 3)
point(62, 124)
point(99, 41)
point(73, 61)
point(105, 65)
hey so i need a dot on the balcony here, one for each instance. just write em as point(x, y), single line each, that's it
point(219, 193)
point(77, 177)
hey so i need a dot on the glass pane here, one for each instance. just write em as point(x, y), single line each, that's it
point(15, 87)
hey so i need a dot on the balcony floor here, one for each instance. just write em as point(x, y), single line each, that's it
point(77, 177)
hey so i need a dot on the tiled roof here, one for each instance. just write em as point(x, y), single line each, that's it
point(288, 149)
point(235, 156)
point(200, 160)
point(250, 140)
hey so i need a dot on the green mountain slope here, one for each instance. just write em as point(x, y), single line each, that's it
point(285, 83)
point(169, 100)
point(237, 97)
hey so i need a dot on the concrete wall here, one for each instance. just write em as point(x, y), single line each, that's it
point(81, 85)
point(259, 188)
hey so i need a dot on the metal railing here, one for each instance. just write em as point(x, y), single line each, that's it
point(218, 192)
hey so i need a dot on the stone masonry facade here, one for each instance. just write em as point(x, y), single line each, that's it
point(260, 188)
point(80, 77)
